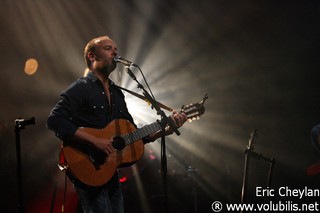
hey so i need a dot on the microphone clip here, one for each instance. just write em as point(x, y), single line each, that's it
point(21, 122)
point(126, 62)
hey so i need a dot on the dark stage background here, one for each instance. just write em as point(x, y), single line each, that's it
point(257, 60)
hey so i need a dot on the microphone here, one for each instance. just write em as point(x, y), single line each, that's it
point(124, 61)
point(25, 122)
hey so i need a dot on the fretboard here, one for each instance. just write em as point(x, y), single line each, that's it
point(141, 133)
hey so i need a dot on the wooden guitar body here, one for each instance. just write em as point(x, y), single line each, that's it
point(95, 168)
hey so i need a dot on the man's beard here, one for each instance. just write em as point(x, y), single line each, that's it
point(108, 69)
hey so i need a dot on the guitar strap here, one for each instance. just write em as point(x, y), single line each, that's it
point(143, 98)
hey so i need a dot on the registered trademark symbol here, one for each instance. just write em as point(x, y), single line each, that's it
point(216, 206)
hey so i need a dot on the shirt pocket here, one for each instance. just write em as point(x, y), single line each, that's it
point(97, 109)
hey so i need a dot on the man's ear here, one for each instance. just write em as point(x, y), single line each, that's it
point(91, 56)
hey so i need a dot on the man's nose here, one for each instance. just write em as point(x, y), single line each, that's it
point(115, 52)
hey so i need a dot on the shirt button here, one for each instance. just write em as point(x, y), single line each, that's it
point(94, 107)
point(102, 107)
point(102, 93)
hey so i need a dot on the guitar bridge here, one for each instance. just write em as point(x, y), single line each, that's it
point(97, 160)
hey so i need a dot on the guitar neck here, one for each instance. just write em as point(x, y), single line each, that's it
point(192, 111)
point(141, 133)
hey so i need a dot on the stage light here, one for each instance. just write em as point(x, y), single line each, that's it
point(123, 179)
point(31, 66)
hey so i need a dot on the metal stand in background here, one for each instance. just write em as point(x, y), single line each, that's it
point(249, 152)
point(20, 124)
point(163, 122)
point(191, 173)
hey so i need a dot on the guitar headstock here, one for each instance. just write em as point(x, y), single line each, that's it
point(194, 111)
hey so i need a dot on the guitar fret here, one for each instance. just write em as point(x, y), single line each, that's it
point(126, 139)
point(140, 133)
point(135, 136)
point(130, 138)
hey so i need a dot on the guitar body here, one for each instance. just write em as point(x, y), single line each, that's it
point(92, 166)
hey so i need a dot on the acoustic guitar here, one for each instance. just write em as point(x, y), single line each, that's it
point(94, 167)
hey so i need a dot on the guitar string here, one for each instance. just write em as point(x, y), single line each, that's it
point(140, 133)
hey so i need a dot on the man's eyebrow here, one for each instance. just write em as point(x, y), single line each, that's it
point(109, 46)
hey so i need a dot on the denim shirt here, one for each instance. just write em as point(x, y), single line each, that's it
point(85, 104)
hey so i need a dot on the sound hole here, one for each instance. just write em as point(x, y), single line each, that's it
point(118, 143)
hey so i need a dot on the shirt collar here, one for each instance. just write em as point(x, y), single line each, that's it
point(91, 77)
point(94, 79)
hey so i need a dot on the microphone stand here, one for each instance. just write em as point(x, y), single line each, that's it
point(20, 124)
point(249, 152)
point(164, 122)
